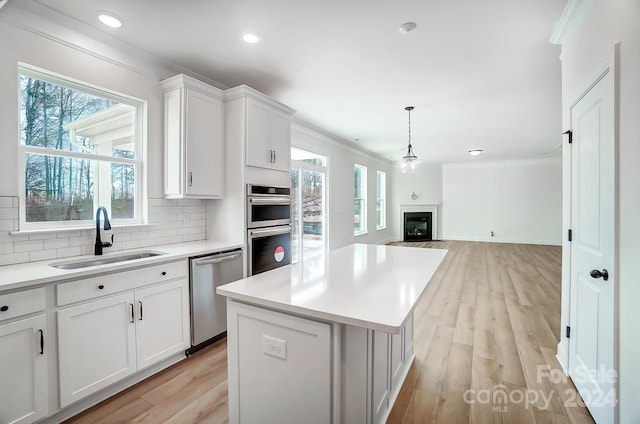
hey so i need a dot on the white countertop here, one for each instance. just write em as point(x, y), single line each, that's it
point(364, 285)
point(30, 274)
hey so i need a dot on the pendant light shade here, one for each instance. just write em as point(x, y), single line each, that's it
point(409, 160)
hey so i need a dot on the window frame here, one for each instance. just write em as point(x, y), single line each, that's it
point(139, 163)
point(362, 200)
point(381, 198)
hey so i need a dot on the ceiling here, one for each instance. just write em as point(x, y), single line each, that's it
point(481, 74)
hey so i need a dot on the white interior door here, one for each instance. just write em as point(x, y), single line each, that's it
point(591, 342)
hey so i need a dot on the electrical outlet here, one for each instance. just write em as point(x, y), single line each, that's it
point(274, 347)
point(491, 233)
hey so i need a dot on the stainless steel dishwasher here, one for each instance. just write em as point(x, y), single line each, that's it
point(208, 309)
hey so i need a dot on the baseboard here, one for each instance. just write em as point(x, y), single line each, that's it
point(502, 240)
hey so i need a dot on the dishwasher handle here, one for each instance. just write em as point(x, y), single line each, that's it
point(216, 259)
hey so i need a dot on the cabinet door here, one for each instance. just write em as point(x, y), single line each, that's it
point(380, 377)
point(280, 138)
point(96, 346)
point(259, 152)
point(204, 146)
point(162, 321)
point(23, 367)
point(397, 358)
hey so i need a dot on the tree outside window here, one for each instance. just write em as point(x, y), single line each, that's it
point(79, 148)
point(359, 199)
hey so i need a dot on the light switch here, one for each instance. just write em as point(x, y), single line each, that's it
point(274, 347)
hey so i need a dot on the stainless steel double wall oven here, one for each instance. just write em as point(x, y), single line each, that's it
point(268, 227)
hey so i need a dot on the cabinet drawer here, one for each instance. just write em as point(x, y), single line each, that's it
point(90, 288)
point(21, 303)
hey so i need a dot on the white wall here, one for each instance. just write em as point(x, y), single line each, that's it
point(340, 192)
point(520, 201)
point(610, 22)
point(425, 182)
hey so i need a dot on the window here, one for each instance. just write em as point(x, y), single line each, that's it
point(381, 200)
point(359, 199)
point(308, 206)
point(80, 147)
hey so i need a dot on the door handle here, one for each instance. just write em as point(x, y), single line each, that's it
point(596, 273)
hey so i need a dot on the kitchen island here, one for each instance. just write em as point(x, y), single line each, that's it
point(328, 339)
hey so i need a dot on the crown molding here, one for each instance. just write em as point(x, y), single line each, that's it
point(571, 20)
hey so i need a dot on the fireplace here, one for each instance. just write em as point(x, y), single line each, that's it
point(418, 226)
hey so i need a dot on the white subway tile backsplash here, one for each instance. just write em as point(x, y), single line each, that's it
point(26, 246)
point(70, 251)
point(14, 258)
point(174, 221)
point(56, 243)
point(43, 255)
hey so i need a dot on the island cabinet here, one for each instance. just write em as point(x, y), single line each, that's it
point(266, 126)
point(193, 139)
point(23, 357)
point(286, 368)
point(327, 339)
point(124, 323)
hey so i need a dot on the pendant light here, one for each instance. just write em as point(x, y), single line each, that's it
point(408, 161)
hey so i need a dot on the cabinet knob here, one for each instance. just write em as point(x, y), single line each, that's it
point(164, 272)
point(100, 287)
point(5, 308)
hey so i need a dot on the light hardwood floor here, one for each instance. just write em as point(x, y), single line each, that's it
point(485, 335)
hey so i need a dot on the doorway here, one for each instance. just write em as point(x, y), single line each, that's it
point(308, 204)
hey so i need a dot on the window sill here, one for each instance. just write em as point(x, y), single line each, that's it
point(360, 234)
point(71, 229)
point(381, 228)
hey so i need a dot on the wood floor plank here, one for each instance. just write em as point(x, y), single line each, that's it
point(488, 321)
point(423, 408)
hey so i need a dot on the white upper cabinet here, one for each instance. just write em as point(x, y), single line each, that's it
point(193, 139)
point(267, 131)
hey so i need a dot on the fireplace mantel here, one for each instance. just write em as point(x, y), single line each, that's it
point(420, 208)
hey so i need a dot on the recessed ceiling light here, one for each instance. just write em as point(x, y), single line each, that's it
point(407, 27)
point(475, 152)
point(251, 38)
point(110, 20)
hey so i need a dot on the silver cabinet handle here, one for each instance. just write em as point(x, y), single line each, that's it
point(190, 179)
point(132, 313)
point(140, 303)
point(274, 156)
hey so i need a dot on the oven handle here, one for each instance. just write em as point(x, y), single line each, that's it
point(270, 200)
point(263, 232)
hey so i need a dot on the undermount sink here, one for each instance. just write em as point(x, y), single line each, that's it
point(103, 260)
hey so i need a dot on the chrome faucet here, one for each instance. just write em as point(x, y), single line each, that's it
point(107, 226)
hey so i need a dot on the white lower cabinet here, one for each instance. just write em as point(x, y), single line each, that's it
point(162, 326)
point(103, 341)
point(279, 367)
point(96, 346)
point(23, 367)
point(285, 368)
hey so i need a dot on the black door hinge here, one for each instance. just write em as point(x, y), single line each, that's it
point(570, 135)
point(568, 331)
point(570, 235)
